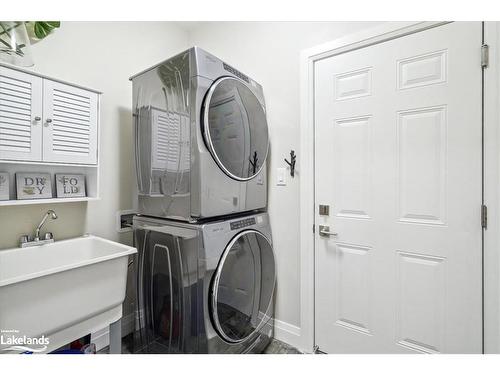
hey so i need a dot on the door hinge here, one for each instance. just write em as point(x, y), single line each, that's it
point(485, 56)
point(484, 216)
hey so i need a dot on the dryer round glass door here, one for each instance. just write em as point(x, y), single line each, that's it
point(235, 128)
point(243, 287)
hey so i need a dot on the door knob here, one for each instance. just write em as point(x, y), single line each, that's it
point(324, 231)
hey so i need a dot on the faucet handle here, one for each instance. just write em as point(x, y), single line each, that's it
point(24, 239)
point(49, 236)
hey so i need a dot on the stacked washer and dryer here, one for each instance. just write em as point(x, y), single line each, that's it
point(205, 271)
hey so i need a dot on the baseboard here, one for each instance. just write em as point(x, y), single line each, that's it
point(287, 333)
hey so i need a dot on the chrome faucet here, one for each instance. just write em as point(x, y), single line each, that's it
point(28, 241)
point(52, 215)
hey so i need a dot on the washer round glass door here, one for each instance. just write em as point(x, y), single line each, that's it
point(235, 128)
point(243, 286)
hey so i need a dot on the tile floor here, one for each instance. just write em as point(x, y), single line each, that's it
point(279, 347)
point(275, 347)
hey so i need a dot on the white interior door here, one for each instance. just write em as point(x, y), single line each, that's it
point(69, 124)
point(398, 160)
point(20, 116)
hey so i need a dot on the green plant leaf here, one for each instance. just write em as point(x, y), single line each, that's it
point(39, 30)
point(54, 24)
point(44, 28)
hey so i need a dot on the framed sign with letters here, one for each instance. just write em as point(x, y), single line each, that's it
point(4, 186)
point(70, 185)
point(33, 185)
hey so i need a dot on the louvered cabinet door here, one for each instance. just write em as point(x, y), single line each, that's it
point(20, 114)
point(69, 124)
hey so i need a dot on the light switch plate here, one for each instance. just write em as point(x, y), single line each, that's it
point(281, 177)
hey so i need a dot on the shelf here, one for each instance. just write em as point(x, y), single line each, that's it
point(42, 163)
point(46, 201)
point(91, 173)
point(32, 72)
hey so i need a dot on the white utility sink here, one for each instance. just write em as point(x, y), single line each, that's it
point(63, 290)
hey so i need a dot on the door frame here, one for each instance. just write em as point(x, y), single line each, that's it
point(491, 170)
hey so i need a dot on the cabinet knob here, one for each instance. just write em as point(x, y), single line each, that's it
point(37, 118)
point(48, 121)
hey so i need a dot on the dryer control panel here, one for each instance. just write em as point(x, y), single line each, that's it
point(242, 223)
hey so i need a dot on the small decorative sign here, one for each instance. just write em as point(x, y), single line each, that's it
point(33, 185)
point(70, 185)
point(4, 186)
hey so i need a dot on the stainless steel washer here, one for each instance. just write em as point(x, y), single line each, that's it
point(204, 288)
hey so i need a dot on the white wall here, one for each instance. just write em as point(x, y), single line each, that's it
point(269, 53)
point(101, 55)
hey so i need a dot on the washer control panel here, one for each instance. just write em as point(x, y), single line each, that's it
point(242, 223)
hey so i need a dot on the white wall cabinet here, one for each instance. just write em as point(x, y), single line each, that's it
point(43, 120)
point(49, 126)
point(70, 124)
point(20, 115)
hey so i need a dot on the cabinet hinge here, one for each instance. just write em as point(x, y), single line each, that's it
point(314, 226)
point(485, 55)
point(484, 216)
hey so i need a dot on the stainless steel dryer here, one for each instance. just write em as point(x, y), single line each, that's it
point(201, 138)
point(204, 288)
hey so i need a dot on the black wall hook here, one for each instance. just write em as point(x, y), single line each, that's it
point(291, 163)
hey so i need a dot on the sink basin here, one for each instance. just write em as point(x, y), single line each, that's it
point(63, 290)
